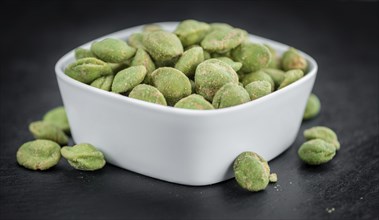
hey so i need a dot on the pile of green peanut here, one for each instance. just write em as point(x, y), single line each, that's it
point(45, 152)
point(199, 66)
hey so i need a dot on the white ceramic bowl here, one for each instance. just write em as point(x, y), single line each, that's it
point(177, 145)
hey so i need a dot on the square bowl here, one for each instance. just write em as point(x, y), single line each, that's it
point(190, 147)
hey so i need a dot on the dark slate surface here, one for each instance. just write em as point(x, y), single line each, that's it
point(342, 37)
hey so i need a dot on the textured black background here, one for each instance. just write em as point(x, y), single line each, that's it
point(341, 36)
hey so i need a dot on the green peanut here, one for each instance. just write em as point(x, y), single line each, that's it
point(230, 94)
point(83, 53)
point(276, 75)
point(273, 178)
point(86, 70)
point(112, 50)
point(235, 65)
point(258, 89)
point(39, 154)
point(104, 82)
point(190, 59)
point(129, 78)
point(312, 108)
point(211, 75)
point(194, 101)
point(223, 40)
point(259, 75)
point(206, 54)
point(148, 93)
point(135, 40)
point(57, 116)
point(47, 131)
point(220, 26)
point(164, 47)
point(292, 59)
point(116, 67)
point(172, 83)
point(143, 58)
point(84, 157)
point(275, 60)
point(191, 32)
point(252, 56)
point(316, 152)
point(323, 133)
point(251, 171)
point(151, 28)
point(290, 77)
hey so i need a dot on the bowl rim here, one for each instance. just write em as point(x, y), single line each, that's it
point(59, 70)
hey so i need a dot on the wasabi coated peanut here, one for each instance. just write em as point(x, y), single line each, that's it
point(220, 26)
point(112, 50)
point(189, 60)
point(148, 93)
point(316, 152)
point(292, 59)
point(206, 54)
point(235, 65)
point(191, 32)
point(211, 75)
point(127, 79)
point(84, 157)
point(223, 40)
point(47, 131)
point(290, 77)
point(57, 116)
point(230, 94)
point(86, 70)
point(194, 101)
point(273, 178)
point(259, 75)
point(164, 47)
point(39, 154)
point(172, 83)
point(251, 171)
point(143, 58)
point(135, 40)
point(83, 53)
point(323, 133)
point(258, 89)
point(252, 56)
point(276, 75)
point(104, 82)
point(312, 108)
point(151, 28)
point(275, 60)
point(116, 67)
